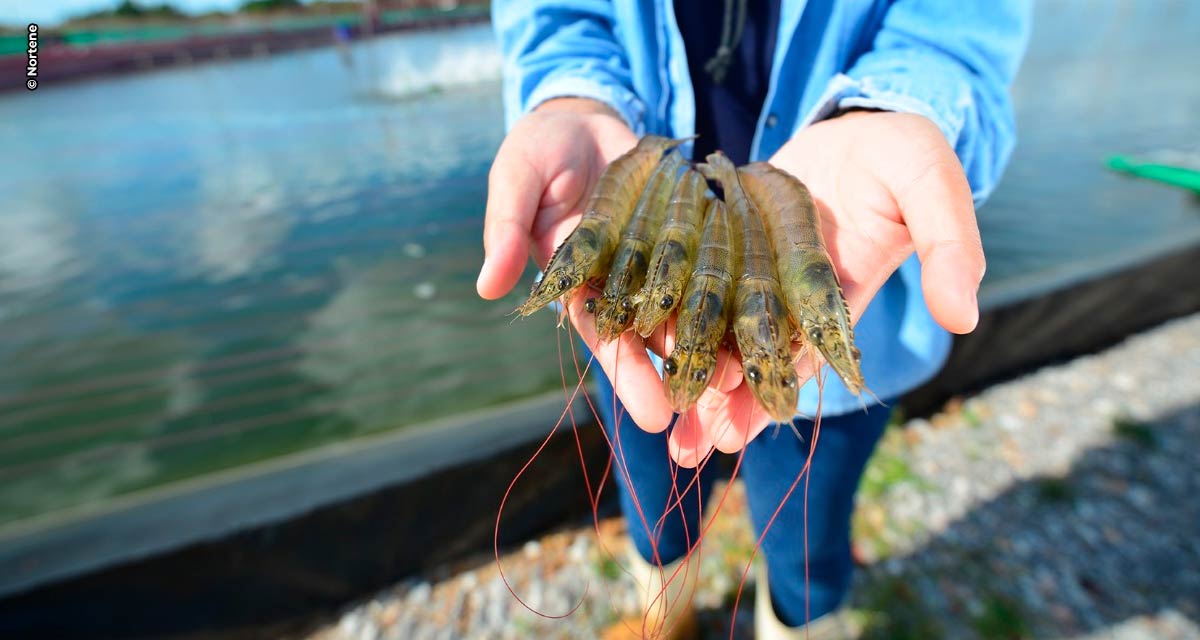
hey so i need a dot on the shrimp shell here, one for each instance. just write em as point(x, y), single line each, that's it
point(704, 314)
point(587, 252)
point(674, 254)
point(810, 284)
point(760, 321)
point(614, 309)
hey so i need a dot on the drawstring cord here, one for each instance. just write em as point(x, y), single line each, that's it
point(731, 35)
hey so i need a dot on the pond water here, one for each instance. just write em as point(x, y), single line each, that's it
point(207, 267)
point(1100, 78)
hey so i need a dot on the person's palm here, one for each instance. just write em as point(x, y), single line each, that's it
point(885, 184)
point(540, 182)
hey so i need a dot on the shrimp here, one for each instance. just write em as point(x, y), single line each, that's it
point(811, 288)
point(760, 321)
point(704, 316)
point(586, 253)
point(614, 310)
point(674, 253)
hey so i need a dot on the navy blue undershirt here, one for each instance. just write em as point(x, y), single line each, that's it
point(727, 113)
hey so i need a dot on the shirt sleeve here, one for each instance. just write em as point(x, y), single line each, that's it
point(565, 48)
point(952, 62)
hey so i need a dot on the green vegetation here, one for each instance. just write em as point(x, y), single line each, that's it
point(607, 567)
point(1001, 619)
point(971, 417)
point(892, 606)
point(134, 12)
point(251, 6)
point(128, 9)
point(1139, 433)
point(131, 21)
point(1053, 490)
point(165, 9)
point(888, 467)
point(524, 625)
point(892, 610)
point(869, 536)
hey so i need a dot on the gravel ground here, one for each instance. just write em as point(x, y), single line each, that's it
point(1062, 504)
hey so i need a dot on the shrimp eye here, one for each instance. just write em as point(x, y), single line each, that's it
point(564, 283)
point(666, 303)
point(815, 333)
point(699, 375)
point(753, 373)
point(626, 304)
point(590, 305)
point(670, 367)
point(789, 381)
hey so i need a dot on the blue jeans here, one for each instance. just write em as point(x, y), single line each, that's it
point(771, 463)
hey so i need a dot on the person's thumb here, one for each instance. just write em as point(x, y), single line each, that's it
point(937, 208)
point(514, 191)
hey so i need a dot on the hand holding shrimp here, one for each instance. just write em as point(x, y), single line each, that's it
point(885, 184)
point(538, 188)
point(882, 186)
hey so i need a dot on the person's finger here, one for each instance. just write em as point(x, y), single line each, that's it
point(728, 371)
point(662, 339)
point(624, 360)
point(739, 420)
point(729, 420)
point(936, 203)
point(727, 416)
point(514, 192)
point(719, 420)
point(688, 444)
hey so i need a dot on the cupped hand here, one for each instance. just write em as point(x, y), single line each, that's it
point(885, 184)
point(539, 183)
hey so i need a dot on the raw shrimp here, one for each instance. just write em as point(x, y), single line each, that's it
point(587, 252)
point(704, 314)
point(614, 309)
point(810, 285)
point(674, 254)
point(760, 321)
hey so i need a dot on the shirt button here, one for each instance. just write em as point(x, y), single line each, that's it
point(772, 120)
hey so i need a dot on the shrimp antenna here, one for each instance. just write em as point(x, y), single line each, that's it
point(874, 397)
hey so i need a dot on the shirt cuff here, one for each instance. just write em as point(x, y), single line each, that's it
point(620, 99)
point(844, 92)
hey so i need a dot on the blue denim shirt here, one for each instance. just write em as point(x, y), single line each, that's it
point(948, 60)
